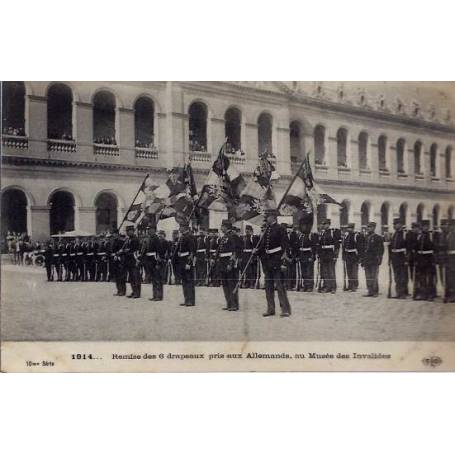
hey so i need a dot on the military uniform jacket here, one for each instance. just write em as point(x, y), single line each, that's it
point(329, 243)
point(398, 246)
point(273, 247)
point(352, 245)
point(202, 246)
point(411, 239)
point(374, 249)
point(129, 251)
point(48, 254)
point(294, 239)
point(163, 249)
point(228, 251)
point(307, 246)
point(186, 249)
point(248, 243)
point(102, 251)
point(424, 245)
point(213, 246)
point(150, 248)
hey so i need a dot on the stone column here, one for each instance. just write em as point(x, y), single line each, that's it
point(391, 158)
point(426, 164)
point(442, 166)
point(410, 164)
point(355, 165)
point(40, 223)
point(37, 125)
point(87, 219)
point(282, 151)
point(83, 131)
point(331, 154)
point(126, 135)
point(217, 131)
point(373, 153)
point(251, 146)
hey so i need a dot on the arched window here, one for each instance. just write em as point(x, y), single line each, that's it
point(434, 160)
point(365, 213)
point(144, 122)
point(321, 213)
point(448, 163)
point(104, 118)
point(342, 147)
point(363, 150)
point(418, 158)
point(403, 211)
point(319, 145)
point(13, 108)
point(233, 128)
point(295, 140)
point(436, 212)
point(106, 212)
point(344, 213)
point(14, 212)
point(385, 208)
point(61, 212)
point(400, 156)
point(382, 153)
point(60, 112)
point(265, 134)
point(198, 127)
point(420, 212)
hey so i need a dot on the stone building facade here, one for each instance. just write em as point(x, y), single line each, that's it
point(75, 153)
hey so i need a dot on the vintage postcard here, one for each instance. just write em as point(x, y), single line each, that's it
point(227, 226)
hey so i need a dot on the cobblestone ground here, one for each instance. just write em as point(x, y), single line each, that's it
point(33, 309)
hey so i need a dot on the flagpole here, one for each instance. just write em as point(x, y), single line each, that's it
point(263, 233)
point(134, 200)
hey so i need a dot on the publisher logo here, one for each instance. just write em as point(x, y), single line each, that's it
point(432, 361)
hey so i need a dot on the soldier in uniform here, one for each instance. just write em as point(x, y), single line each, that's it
point(372, 259)
point(352, 247)
point(449, 264)
point(90, 259)
point(184, 260)
point(80, 249)
point(172, 260)
point(130, 250)
point(424, 287)
point(272, 251)
point(213, 246)
point(307, 250)
point(161, 261)
point(249, 242)
point(293, 254)
point(67, 260)
point(328, 249)
point(149, 255)
point(411, 240)
point(440, 240)
point(118, 269)
point(48, 260)
point(201, 258)
point(398, 259)
point(101, 259)
point(227, 257)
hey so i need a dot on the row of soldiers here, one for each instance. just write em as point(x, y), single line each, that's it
point(418, 257)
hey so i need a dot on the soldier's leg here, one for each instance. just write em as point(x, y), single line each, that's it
point(269, 291)
point(282, 294)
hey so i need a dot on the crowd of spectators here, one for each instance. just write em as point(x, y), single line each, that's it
point(144, 145)
point(106, 140)
point(60, 136)
point(196, 146)
point(21, 249)
point(11, 131)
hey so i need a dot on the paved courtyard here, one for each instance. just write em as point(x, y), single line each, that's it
point(33, 309)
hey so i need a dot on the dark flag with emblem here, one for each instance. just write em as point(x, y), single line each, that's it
point(304, 193)
point(258, 195)
point(224, 185)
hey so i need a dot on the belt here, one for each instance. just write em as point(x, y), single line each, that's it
point(425, 252)
point(151, 254)
point(451, 252)
point(354, 250)
point(225, 255)
point(185, 253)
point(327, 247)
point(213, 251)
point(56, 255)
point(64, 254)
point(273, 250)
point(247, 251)
point(90, 254)
point(80, 254)
point(101, 254)
point(202, 250)
point(72, 254)
point(399, 250)
point(306, 249)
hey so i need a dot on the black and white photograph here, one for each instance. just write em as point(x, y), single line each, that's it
point(228, 211)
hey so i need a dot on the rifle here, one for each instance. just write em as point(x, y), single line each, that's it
point(389, 290)
point(345, 287)
point(446, 285)
point(414, 286)
point(257, 284)
point(318, 276)
point(299, 276)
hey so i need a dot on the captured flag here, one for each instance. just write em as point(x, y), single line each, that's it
point(303, 193)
